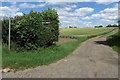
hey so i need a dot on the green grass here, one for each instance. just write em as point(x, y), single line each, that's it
point(42, 56)
point(114, 41)
point(116, 48)
point(83, 32)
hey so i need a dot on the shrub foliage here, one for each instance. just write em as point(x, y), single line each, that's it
point(114, 40)
point(33, 30)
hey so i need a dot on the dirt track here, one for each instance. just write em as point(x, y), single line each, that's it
point(92, 59)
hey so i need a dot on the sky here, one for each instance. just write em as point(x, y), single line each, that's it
point(71, 13)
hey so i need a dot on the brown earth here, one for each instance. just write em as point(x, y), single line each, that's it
point(64, 40)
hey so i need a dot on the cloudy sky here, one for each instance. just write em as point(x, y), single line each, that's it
point(80, 14)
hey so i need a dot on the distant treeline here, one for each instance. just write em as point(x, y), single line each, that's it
point(72, 27)
point(99, 26)
point(107, 26)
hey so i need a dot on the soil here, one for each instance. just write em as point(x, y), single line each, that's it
point(64, 40)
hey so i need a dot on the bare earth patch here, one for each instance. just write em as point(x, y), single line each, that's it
point(64, 40)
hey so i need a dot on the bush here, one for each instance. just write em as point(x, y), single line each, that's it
point(5, 24)
point(29, 32)
point(51, 16)
point(114, 40)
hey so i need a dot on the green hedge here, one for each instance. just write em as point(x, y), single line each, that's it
point(114, 40)
point(28, 32)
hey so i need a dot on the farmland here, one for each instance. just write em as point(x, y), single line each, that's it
point(83, 32)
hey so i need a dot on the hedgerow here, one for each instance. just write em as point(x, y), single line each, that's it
point(33, 30)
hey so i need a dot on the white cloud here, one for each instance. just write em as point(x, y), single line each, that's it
point(87, 24)
point(84, 11)
point(9, 12)
point(67, 8)
point(73, 6)
point(105, 1)
point(41, 5)
point(14, 3)
point(105, 22)
point(97, 16)
point(67, 1)
point(5, 8)
point(23, 0)
point(105, 17)
point(66, 22)
point(69, 15)
point(63, 12)
point(19, 14)
point(1, 14)
point(68, 18)
point(97, 1)
point(108, 13)
point(62, 17)
point(55, 3)
point(2, 0)
point(86, 18)
point(63, 1)
point(28, 5)
point(109, 10)
point(78, 12)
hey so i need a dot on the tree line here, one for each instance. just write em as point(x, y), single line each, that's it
point(107, 26)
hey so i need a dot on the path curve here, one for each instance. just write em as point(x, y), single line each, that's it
point(92, 59)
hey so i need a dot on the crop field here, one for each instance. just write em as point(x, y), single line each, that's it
point(83, 32)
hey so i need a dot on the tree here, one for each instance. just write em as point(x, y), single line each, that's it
point(112, 25)
point(50, 15)
point(109, 25)
point(95, 26)
point(70, 26)
point(100, 26)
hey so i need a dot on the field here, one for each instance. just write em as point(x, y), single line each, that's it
point(83, 32)
point(44, 56)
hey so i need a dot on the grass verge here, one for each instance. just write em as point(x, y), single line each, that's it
point(116, 48)
point(114, 41)
point(42, 56)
